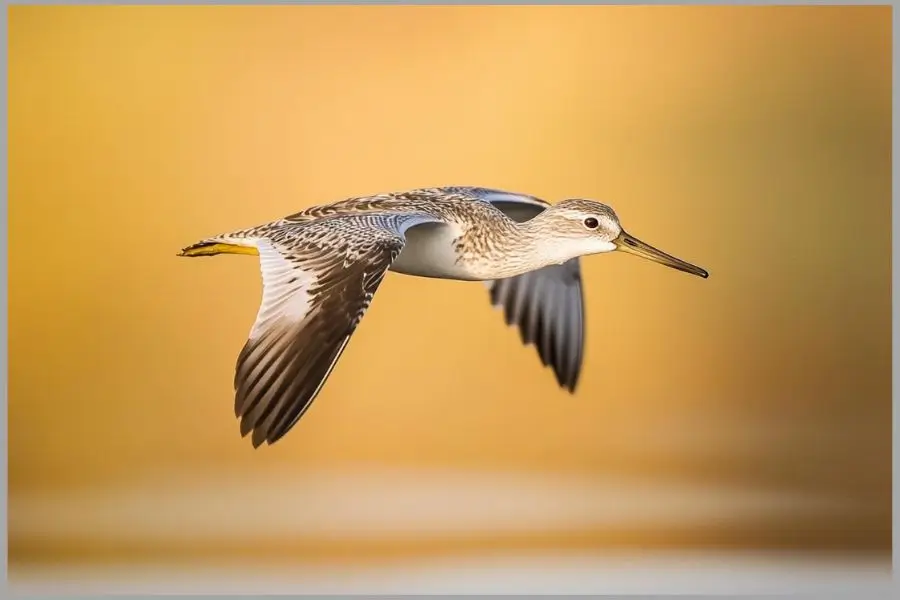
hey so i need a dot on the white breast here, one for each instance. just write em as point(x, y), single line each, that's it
point(429, 252)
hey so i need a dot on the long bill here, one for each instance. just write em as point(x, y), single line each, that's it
point(630, 244)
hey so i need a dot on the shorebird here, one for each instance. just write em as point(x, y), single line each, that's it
point(321, 267)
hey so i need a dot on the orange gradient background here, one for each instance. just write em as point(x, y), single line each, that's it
point(752, 141)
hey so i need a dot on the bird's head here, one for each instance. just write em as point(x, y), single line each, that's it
point(589, 227)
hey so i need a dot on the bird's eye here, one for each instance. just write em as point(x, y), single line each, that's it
point(591, 223)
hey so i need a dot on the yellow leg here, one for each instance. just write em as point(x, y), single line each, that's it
point(213, 248)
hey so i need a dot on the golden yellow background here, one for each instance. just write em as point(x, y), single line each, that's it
point(752, 141)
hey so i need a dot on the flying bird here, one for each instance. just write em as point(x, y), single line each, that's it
point(321, 268)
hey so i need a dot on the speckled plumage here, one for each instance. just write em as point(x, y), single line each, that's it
point(322, 266)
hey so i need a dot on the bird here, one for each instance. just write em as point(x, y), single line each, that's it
point(322, 266)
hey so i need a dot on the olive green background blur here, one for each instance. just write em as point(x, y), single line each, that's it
point(752, 141)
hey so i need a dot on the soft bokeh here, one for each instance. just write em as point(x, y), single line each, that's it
point(750, 410)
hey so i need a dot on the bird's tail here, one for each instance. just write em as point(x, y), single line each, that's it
point(238, 242)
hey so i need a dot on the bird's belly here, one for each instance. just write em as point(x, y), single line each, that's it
point(430, 252)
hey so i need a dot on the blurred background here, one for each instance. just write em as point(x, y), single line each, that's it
point(750, 412)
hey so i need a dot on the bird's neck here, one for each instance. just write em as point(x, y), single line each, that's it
point(518, 248)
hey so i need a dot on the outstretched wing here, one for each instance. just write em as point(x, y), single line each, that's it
point(318, 278)
point(547, 305)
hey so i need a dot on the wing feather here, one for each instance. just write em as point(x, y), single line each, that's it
point(319, 278)
point(547, 305)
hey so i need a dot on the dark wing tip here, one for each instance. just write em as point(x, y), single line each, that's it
point(258, 438)
point(274, 394)
point(566, 381)
point(547, 307)
point(258, 435)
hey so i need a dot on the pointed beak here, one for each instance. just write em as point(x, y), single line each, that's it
point(628, 243)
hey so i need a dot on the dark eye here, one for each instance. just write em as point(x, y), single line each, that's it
point(591, 223)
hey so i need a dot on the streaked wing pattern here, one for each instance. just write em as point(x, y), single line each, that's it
point(319, 278)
